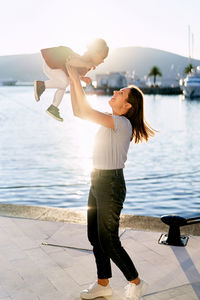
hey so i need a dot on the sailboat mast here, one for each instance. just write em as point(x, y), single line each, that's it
point(189, 43)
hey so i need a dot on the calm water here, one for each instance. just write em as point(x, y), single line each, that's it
point(45, 162)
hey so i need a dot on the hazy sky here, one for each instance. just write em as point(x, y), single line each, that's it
point(29, 25)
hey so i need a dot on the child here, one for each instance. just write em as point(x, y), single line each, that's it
point(55, 68)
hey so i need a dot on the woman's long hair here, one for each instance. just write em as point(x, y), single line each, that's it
point(141, 129)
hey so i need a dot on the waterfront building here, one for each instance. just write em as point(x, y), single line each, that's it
point(7, 82)
point(111, 81)
point(169, 82)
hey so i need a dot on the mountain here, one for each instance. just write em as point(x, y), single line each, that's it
point(28, 67)
point(141, 60)
point(24, 67)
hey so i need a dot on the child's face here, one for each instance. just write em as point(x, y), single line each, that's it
point(97, 59)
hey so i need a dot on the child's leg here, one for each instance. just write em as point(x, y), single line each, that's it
point(58, 96)
point(57, 79)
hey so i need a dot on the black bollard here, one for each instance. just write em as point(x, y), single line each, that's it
point(173, 237)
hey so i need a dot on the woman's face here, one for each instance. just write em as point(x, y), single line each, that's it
point(119, 103)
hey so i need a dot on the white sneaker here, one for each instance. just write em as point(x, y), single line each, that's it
point(96, 290)
point(135, 292)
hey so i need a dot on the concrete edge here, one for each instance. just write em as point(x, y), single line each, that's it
point(75, 216)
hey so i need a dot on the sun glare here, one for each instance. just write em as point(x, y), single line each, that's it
point(85, 146)
point(83, 137)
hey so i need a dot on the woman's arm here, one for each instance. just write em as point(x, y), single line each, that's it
point(75, 108)
point(81, 107)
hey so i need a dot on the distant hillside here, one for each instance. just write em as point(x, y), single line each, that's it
point(28, 67)
point(24, 67)
point(141, 60)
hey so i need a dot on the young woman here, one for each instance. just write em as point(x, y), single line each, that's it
point(107, 191)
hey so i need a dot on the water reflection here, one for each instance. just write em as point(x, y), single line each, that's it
point(44, 162)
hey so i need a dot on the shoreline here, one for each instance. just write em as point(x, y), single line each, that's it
point(167, 91)
point(66, 215)
point(146, 90)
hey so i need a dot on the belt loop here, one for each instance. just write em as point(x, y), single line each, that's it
point(117, 172)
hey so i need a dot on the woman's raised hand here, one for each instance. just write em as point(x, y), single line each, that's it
point(73, 73)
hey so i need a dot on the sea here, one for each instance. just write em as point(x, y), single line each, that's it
point(44, 162)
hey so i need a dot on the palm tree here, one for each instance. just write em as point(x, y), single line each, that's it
point(155, 71)
point(188, 68)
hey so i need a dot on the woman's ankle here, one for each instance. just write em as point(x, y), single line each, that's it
point(136, 281)
point(103, 282)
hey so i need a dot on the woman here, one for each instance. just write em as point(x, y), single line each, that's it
point(107, 191)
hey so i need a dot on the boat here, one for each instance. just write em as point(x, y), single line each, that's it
point(191, 84)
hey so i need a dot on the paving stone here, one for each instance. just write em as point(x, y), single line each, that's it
point(5, 221)
point(31, 229)
point(58, 296)
point(80, 272)
point(70, 235)
point(185, 292)
point(26, 243)
point(45, 227)
point(38, 254)
point(3, 293)
point(6, 265)
point(42, 288)
point(12, 252)
point(12, 230)
point(24, 294)
point(63, 259)
point(65, 284)
point(10, 281)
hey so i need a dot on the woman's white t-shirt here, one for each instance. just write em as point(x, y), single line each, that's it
point(111, 145)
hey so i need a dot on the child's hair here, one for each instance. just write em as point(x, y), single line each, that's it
point(98, 46)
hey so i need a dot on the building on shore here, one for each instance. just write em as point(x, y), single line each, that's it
point(170, 82)
point(111, 81)
point(107, 83)
point(7, 82)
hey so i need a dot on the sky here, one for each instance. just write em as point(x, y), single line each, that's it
point(30, 25)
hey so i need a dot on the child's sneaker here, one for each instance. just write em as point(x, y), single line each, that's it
point(53, 111)
point(39, 88)
point(135, 292)
point(96, 290)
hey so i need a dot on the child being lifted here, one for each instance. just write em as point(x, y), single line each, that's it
point(55, 60)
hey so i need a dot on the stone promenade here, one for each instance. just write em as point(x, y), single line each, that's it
point(51, 260)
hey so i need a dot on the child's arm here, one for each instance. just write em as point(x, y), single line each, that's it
point(87, 80)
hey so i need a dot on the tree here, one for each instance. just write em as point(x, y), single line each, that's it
point(155, 71)
point(188, 68)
